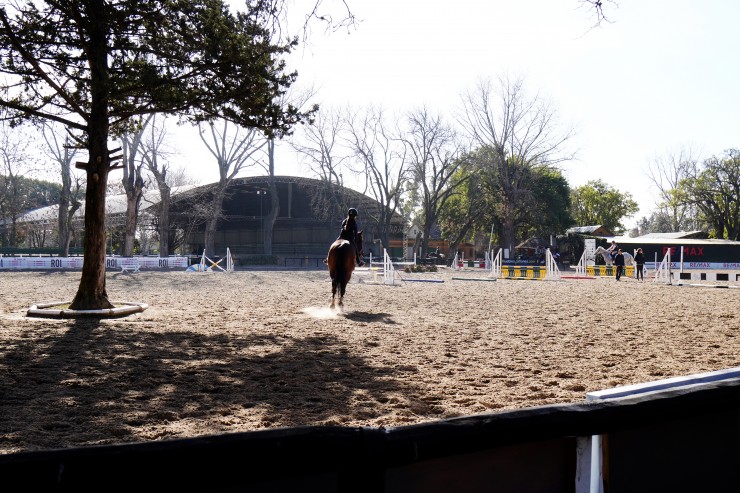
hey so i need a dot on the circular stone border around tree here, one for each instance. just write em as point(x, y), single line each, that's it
point(47, 310)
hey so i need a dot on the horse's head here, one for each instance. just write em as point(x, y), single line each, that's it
point(358, 242)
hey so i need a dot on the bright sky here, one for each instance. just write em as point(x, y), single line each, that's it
point(661, 76)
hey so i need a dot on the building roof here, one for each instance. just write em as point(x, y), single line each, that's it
point(597, 230)
point(649, 240)
point(699, 235)
point(114, 205)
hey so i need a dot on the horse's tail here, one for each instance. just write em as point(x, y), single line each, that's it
point(339, 267)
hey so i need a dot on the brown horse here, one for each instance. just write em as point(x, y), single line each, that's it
point(341, 261)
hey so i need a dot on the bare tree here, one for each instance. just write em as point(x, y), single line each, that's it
point(434, 159)
point(133, 181)
point(154, 155)
point(596, 8)
point(298, 99)
point(381, 159)
point(14, 144)
point(234, 151)
point(62, 148)
point(667, 173)
point(268, 223)
point(520, 132)
point(321, 149)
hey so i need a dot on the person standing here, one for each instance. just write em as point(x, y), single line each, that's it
point(619, 263)
point(640, 264)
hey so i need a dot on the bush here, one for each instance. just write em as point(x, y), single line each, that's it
point(420, 268)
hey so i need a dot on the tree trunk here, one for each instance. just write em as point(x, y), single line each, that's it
point(213, 218)
point(269, 221)
point(91, 294)
point(210, 233)
point(64, 200)
point(132, 217)
point(268, 224)
point(164, 220)
point(76, 204)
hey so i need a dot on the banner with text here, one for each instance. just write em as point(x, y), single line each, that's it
point(75, 263)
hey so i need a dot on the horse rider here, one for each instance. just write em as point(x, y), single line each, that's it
point(349, 233)
point(612, 250)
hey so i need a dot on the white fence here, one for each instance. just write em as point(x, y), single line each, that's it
point(75, 263)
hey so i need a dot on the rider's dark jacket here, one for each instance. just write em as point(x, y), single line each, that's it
point(349, 229)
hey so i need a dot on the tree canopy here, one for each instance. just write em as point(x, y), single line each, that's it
point(715, 191)
point(598, 203)
point(93, 65)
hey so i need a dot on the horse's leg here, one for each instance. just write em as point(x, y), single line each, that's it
point(334, 292)
point(345, 281)
point(342, 286)
point(333, 275)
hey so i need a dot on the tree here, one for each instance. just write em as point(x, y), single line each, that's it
point(133, 181)
point(551, 210)
point(94, 65)
point(62, 149)
point(434, 159)
point(462, 218)
point(234, 151)
point(516, 133)
point(381, 159)
point(14, 186)
point(154, 157)
point(598, 203)
point(320, 148)
point(667, 173)
point(715, 191)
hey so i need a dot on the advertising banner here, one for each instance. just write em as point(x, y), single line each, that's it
point(75, 263)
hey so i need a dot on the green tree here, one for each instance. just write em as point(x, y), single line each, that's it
point(598, 203)
point(516, 134)
point(463, 216)
point(94, 65)
point(550, 212)
point(715, 191)
point(19, 195)
point(516, 200)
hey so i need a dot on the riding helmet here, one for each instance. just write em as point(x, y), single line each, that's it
point(352, 212)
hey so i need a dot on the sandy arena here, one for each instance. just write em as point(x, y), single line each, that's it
point(220, 353)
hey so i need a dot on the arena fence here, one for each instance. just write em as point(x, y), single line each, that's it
point(679, 439)
point(75, 263)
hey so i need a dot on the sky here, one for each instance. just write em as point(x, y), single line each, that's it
point(660, 76)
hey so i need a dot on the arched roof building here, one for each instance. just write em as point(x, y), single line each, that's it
point(308, 220)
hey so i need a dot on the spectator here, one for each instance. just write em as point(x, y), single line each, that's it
point(640, 264)
point(619, 263)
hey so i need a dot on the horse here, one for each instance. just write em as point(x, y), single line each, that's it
point(628, 259)
point(341, 262)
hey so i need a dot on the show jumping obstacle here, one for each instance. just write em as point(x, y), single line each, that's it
point(547, 272)
point(203, 265)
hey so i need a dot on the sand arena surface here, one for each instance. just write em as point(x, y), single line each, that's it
point(219, 353)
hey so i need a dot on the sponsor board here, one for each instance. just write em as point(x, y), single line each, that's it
point(75, 263)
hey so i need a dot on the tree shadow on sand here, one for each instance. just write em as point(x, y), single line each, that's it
point(110, 382)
